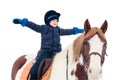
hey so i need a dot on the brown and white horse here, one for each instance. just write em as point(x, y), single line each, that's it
point(81, 60)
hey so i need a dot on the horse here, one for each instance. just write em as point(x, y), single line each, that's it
point(81, 60)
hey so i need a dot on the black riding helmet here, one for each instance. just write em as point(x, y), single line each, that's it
point(51, 15)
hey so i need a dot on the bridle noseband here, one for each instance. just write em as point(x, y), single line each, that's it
point(86, 58)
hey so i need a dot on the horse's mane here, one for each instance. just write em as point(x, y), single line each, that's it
point(77, 44)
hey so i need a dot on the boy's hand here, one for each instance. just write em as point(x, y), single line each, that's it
point(77, 30)
point(17, 21)
point(23, 21)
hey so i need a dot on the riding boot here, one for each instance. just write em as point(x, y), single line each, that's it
point(33, 77)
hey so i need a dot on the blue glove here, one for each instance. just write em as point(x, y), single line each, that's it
point(23, 21)
point(77, 30)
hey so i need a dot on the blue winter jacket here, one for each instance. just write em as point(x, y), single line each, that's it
point(50, 37)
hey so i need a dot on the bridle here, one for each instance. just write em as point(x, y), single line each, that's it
point(86, 55)
point(87, 58)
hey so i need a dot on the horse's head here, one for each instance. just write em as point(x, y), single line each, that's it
point(94, 49)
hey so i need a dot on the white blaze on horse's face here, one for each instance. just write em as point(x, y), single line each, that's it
point(94, 70)
point(96, 45)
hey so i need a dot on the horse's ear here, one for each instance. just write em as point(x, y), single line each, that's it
point(104, 26)
point(87, 26)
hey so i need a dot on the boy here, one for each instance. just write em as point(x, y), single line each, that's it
point(50, 37)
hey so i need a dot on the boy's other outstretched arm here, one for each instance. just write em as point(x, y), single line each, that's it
point(24, 22)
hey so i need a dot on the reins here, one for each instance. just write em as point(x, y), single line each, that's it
point(67, 65)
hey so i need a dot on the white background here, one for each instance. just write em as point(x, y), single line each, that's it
point(16, 40)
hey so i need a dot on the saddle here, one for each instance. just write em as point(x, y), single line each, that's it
point(44, 66)
point(43, 71)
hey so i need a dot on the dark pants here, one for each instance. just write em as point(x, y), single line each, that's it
point(41, 55)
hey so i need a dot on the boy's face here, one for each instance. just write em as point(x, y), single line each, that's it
point(54, 23)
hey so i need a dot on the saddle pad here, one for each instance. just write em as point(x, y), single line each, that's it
point(25, 71)
point(46, 76)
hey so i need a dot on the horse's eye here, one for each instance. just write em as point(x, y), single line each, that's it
point(105, 45)
point(85, 42)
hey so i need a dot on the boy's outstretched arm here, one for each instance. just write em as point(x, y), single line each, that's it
point(24, 22)
point(74, 31)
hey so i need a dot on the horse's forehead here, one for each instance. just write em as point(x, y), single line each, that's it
point(93, 31)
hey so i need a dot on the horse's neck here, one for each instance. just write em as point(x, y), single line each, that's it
point(70, 53)
point(63, 61)
point(67, 52)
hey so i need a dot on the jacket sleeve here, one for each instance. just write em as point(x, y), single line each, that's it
point(66, 31)
point(35, 27)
